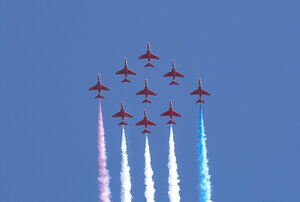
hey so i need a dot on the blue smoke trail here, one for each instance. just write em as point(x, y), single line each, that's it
point(204, 177)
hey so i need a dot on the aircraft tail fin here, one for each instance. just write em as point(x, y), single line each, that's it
point(171, 122)
point(200, 101)
point(123, 123)
point(149, 65)
point(146, 131)
point(174, 83)
point(126, 80)
point(146, 101)
point(99, 96)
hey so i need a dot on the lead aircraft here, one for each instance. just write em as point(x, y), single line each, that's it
point(148, 56)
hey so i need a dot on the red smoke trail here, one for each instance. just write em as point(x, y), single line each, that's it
point(103, 177)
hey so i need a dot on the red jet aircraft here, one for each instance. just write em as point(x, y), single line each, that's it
point(148, 56)
point(171, 113)
point(200, 92)
point(173, 73)
point(145, 122)
point(126, 71)
point(146, 92)
point(99, 87)
point(122, 114)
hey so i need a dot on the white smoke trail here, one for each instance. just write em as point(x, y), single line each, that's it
point(149, 191)
point(125, 172)
point(173, 174)
point(103, 178)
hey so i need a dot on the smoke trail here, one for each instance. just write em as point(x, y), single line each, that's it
point(125, 172)
point(149, 191)
point(173, 174)
point(103, 177)
point(204, 177)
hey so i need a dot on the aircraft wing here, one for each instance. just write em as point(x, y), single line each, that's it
point(153, 56)
point(168, 74)
point(205, 92)
point(176, 114)
point(143, 56)
point(178, 74)
point(151, 123)
point(140, 123)
point(167, 113)
point(103, 87)
point(142, 92)
point(127, 115)
point(95, 87)
point(195, 92)
point(131, 72)
point(150, 92)
point(119, 114)
point(121, 71)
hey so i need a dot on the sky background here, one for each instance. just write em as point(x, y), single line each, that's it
point(246, 52)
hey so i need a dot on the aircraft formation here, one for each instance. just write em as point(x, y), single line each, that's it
point(146, 92)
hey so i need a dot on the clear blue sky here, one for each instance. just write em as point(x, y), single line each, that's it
point(247, 53)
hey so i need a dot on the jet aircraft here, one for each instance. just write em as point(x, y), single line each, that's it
point(200, 92)
point(99, 87)
point(148, 56)
point(122, 114)
point(126, 71)
point(171, 113)
point(146, 122)
point(173, 73)
point(146, 92)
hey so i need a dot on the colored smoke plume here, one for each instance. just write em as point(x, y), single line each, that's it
point(103, 178)
point(204, 177)
point(149, 190)
point(173, 174)
point(125, 172)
